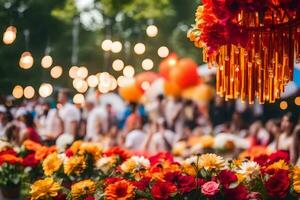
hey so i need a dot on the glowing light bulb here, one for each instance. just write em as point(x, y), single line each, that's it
point(147, 64)
point(46, 61)
point(92, 81)
point(163, 52)
point(80, 85)
point(17, 92)
point(106, 45)
point(124, 81)
point(10, 35)
point(113, 84)
point(29, 92)
point(56, 72)
point(139, 48)
point(297, 101)
point(283, 105)
point(78, 99)
point(128, 71)
point(145, 85)
point(26, 60)
point(73, 71)
point(152, 31)
point(82, 72)
point(118, 65)
point(116, 47)
point(45, 90)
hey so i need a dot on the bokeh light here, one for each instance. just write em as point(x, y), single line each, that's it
point(45, 90)
point(116, 47)
point(17, 92)
point(145, 85)
point(73, 71)
point(106, 45)
point(82, 72)
point(283, 105)
point(46, 61)
point(147, 64)
point(80, 85)
point(78, 99)
point(92, 81)
point(113, 84)
point(26, 60)
point(128, 71)
point(163, 52)
point(10, 35)
point(152, 31)
point(139, 48)
point(118, 65)
point(29, 92)
point(56, 72)
point(297, 101)
point(124, 81)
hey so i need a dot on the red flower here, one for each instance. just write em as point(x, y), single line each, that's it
point(226, 178)
point(161, 157)
point(238, 193)
point(89, 198)
point(123, 154)
point(8, 151)
point(172, 176)
point(30, 161)
point(277, 185)
point(61, 197)
point(142, 184)
point(112, 180)
point(255, 196)
point(186, 184)
point(210, 189)
point(279, 155)
point(163, 190)
point(262, 159)
point(69, 153)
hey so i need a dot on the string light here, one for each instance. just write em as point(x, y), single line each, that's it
point(17, 92)
point(73, 71)
point(145, 85)
point(118, 65)
point(46, 61)
point(29, 92)
point(124, 81)
point(80, 85)
point(45, 90)
point(128, 71)
point(92, 81)
point(297, 101)
point(139, 48)
point(82, 72)
point(163, 52)
point(56, 72)
point(283, 105)
point(152, 31)
point(147, 64)
point(172, 61)
point(26, 60)
point(116, 47)
point(103, 89)
point(113, 84)
point(78, 99)
point(106, 45)
point(10, 35)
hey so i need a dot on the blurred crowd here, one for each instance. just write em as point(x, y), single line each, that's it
point(151, 127)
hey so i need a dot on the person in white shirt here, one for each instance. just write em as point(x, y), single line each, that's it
point(135, 138)
point(69, 114)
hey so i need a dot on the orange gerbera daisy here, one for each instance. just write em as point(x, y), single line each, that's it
point(121, 190)
point(31, 145)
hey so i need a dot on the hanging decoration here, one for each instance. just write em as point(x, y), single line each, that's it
point(253, 44)
point(9, 36)
point(26, 60)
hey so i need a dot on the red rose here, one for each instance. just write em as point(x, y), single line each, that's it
point(186, 184)
point(210, 189)
point(226, 178)
point(30, 161)
point(238, 193)
point(89, 198)
point(163, 190)
point(279, 155)
point(262, 159)
point(277, 185)
point(142, 184)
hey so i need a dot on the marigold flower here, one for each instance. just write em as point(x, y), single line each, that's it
point(121, 190)
point(296, 179)
point(51, 164)
point(281, 164)
point(44, 189)
point(83, 189)
point(75, 164)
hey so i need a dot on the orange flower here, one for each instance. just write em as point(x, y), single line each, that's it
point(121, 190)
point(43, 151)
point(76, 146)
point(9, 158)
point(31, 145)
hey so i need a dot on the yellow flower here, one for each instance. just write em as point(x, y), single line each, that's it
point(76, 146)
point(296, 179)
point(44, 189)
point(106, 163)
point(83, 189)
point(211, 161)
point(90, 148)
point(207, 141)
point(128, 166)
point(51, 164)
point(281, 164)
point(75, 164)
point(249, 169)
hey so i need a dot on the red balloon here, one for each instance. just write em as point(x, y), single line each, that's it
point(167, 64)
point(145, 77)
point(172, 89)
point(131, 93)
point(185, 74)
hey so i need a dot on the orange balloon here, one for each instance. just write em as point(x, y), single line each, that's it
point(167, 65)
point(131, 93)
point(172, 89)
point(185, 74)
point(145, 77)
point(201, 92)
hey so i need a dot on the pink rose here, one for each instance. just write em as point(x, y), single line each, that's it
point(210, 189)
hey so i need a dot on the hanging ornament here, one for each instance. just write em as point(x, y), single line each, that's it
point(10, 35)
point(26, 60)
point(253, 44)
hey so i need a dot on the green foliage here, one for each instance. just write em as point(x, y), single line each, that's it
point(11, 175)
point(67, 12)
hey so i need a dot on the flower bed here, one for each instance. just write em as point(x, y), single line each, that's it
point(85, 172)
